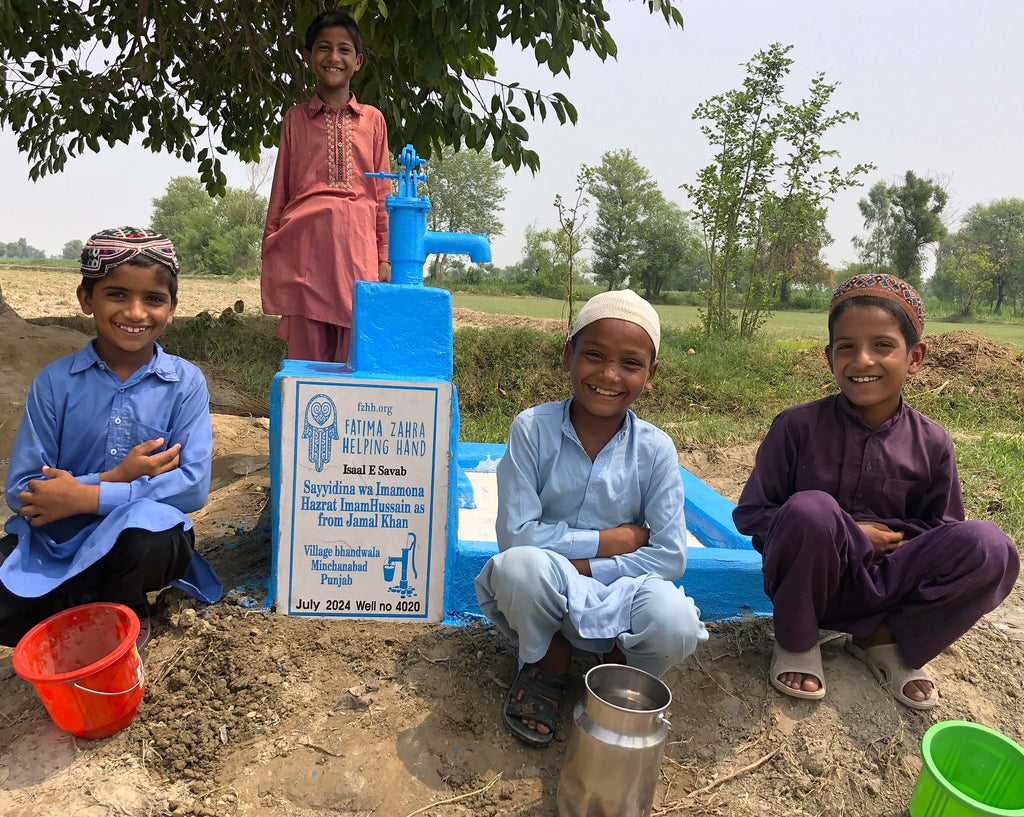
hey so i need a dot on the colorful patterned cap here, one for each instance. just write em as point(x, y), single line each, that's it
point(885, 286)
point(625, 305)
point(108, 248)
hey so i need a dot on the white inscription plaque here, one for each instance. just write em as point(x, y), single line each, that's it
point(363, 520)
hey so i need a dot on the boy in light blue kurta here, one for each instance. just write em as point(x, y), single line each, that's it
point(590, 522)
point(112, 452)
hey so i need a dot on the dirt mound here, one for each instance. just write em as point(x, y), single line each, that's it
point(26, 348)
point(970, 356)
point(965, 359)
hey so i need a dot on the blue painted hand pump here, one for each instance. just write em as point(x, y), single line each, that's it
point(410, 241)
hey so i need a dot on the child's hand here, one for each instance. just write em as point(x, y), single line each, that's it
point(384, 272)
point(139, 462)
point(58, 496)
point(623, 539)
point(883, 538)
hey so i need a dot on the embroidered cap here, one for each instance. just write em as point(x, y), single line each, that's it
point(108, 248)
point(885, 286)
point(625, 305)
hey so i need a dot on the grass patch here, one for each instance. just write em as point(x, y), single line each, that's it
point(239, 350)
point(990, 466)
point(971, 402)
point(56, 263)
point(501, 371)
point(801, 328)
point(723, 393)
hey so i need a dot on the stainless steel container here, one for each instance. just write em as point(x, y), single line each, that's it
point(615, 746)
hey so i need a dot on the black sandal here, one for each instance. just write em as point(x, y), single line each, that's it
point(537, 695)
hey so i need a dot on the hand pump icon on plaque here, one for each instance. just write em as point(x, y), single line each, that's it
point(320, 427)
point(406, 560)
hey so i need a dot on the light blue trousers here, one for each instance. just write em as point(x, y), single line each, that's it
point(524, 592)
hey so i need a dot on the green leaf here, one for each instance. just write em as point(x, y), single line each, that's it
point(158, 81)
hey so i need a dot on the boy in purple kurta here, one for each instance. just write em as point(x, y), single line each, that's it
point(855, 505)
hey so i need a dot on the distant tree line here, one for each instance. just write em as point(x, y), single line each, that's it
point(20, 249)
point(982, 263)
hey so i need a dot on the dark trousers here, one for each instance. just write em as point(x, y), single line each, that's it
point(820, 570)
point(139, 562)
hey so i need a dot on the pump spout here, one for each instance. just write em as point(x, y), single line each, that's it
point(472, 244)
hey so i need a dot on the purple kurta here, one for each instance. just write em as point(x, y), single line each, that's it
point(819, 471)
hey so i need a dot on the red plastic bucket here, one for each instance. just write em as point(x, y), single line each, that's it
point(85, 668)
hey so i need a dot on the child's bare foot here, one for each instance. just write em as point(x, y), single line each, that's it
point(798, 680)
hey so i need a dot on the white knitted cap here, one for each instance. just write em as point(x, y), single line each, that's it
point(625, 305)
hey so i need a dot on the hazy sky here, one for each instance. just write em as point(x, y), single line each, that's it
point(937, 87)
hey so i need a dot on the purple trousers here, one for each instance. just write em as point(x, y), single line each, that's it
point(820, 570)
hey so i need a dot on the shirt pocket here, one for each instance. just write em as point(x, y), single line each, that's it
point(144, 433)
point(897, 496)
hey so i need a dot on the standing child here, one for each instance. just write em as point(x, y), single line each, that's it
point(326, 222)
point(112, 451)
point(590, 522)
point(855, 505)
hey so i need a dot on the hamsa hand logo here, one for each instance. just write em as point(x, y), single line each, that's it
point(320, 427)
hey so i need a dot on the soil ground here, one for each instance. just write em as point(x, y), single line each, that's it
point(252, 713)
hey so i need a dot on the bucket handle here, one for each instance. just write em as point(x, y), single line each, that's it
point(664, 720)
point(136, 685)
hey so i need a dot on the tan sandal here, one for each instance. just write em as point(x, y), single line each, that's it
point(807, 663)
point(893, 673)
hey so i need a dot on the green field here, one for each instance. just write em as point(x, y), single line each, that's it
point(797, 328)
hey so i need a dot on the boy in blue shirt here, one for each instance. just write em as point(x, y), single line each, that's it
point(590, 523)
point(112, 451)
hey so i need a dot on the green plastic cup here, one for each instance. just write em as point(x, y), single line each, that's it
point(968, 770)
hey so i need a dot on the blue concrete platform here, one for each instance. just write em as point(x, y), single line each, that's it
point(724, 577)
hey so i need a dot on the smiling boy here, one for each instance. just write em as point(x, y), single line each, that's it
point(112, 451)
point(590, 522)
point(855, 505)
point(327, 222)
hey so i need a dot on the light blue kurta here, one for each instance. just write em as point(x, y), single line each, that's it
point(551, 496)
point(80, 417)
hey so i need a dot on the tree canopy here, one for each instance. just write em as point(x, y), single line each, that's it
point(762, 203)
point(216, 236)
point(998, 228)
point(902, 219)
point(672, 255)
point(626, 195)
point(72, 249)
point(203, 80)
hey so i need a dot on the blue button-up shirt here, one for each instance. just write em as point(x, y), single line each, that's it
point(80, 417)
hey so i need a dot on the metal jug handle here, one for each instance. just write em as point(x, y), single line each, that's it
point(664, 720)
